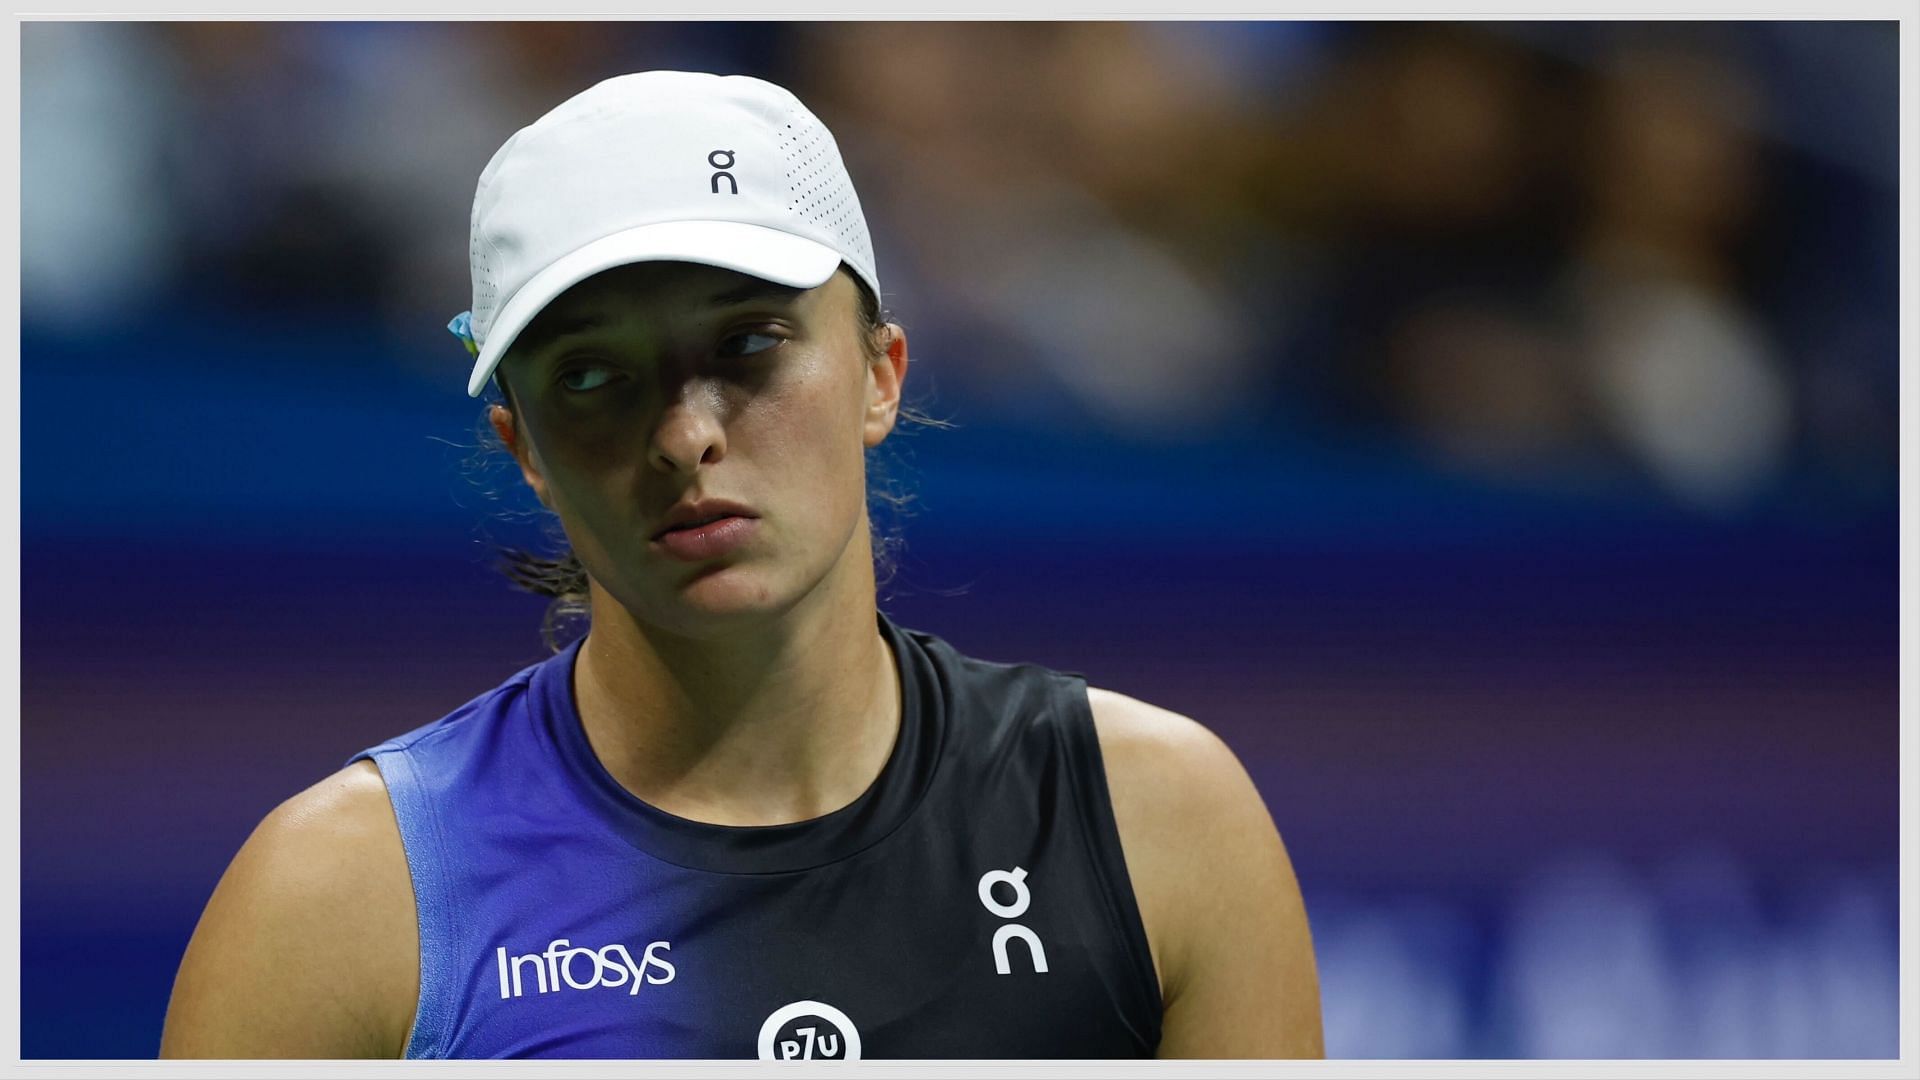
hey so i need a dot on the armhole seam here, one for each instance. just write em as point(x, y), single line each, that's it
point(420, 835)
point(1101, 833)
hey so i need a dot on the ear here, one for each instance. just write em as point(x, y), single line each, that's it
point(522, 450)
point(885, 377)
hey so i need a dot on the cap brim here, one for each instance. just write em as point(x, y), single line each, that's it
point(731, 245)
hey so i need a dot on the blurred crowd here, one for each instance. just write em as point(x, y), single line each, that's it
point(1593, 957)
point(1661, 255)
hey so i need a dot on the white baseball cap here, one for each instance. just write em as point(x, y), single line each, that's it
point(723, 170)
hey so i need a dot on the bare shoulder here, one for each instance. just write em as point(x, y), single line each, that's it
point(1138, 737)
point(1175, 785)
point(308, 947)
point(1215, 887)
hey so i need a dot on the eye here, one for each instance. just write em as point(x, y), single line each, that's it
point(589, 377)
point(748, 343)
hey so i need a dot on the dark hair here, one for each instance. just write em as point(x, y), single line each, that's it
point(559, 575)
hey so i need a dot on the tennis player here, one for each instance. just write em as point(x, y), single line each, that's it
point(746, 815)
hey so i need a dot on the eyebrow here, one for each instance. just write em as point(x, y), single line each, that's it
point(544, 332)
point(754, 289)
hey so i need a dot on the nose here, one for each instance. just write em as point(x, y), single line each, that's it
point(691, 430)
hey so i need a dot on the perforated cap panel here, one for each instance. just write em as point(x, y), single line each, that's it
point(819, 190)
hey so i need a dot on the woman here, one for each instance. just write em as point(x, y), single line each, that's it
point(746, 814)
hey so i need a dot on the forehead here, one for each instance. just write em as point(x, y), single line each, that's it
point(659, 285)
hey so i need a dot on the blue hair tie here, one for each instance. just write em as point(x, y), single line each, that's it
point(462, 328)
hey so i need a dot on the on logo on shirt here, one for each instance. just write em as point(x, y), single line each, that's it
point(1015, 879)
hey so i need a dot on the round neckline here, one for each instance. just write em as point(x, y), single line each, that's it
point(756, 849)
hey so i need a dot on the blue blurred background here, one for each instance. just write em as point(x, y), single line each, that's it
point(1530, 388)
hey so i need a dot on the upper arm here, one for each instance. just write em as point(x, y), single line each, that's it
point(1216, 890)
point(308, 947)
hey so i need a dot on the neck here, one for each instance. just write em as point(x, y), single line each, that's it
point(783, 720)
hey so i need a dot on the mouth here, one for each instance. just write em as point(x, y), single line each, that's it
point(695, 518)
point(710, 537)
point(696, 524)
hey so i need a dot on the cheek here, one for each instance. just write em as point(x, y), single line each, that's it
point(580, 469)
point(809, 429)
point(591, 443)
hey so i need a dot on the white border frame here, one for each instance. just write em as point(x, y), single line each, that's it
point(1909, 876)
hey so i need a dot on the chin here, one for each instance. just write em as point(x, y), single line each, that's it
point(721, 598)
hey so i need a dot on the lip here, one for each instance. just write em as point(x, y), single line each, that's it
point(703, 510)
point(709, 541)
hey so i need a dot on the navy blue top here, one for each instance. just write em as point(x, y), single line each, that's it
point(973, 902)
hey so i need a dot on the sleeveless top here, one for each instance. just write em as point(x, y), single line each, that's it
point(972, 903)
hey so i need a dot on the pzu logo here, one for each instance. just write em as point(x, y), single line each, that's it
point(808, 1031)
point(1017, 878)
point(713, 159)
